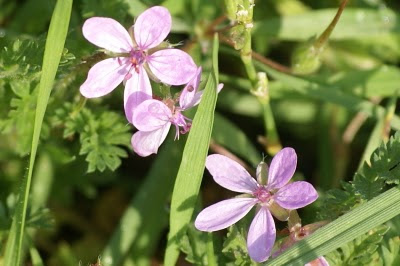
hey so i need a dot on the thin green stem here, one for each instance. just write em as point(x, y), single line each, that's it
point(325, 35)
point(273, 142)
point(212, 261)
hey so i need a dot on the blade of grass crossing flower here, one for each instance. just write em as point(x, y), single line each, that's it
point(344, 229)
point(191, 170)
point(53, 50)
point(145, 217)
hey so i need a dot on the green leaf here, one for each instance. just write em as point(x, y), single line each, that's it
point(194, 244)
point(385, 165)
point(354, 23)
point(102, 134)
point(235, 246)
point(190, 173)
point(35, 256)
point(53, 51)
point(390, 251)
point(344, 229)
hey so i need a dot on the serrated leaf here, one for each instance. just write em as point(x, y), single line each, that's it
point(360, 251)
point(385, 167)
point(235, 247)
point(194, 245)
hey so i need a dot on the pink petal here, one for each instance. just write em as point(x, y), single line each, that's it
point(172, 66)
point(229, 174)
point(133, 101)
point(296, 195)
point(104, 77)
point(282, 168)
point(320, 261)
point(108, 34)
point(137, 82)
point(197, 97)
point(152, 27)
point(223, 214)
point(186, 98)
point(261, 236)
point(151, 115)
point(146, 143)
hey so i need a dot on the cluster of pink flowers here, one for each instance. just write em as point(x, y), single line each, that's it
point(139, 57)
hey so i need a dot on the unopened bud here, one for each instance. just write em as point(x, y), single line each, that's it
point(306, 58)
point(278, 212)
point(262, 173)
point(238, 36)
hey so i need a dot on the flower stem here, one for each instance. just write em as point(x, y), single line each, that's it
point(259, 81)
point(325, 35)
point(212, 261)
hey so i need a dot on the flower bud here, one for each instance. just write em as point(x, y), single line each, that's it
point(306, 58)
point(280, 213)
point(262, 173)
point(238, 36)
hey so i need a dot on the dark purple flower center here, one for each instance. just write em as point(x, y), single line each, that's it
point(262, 194)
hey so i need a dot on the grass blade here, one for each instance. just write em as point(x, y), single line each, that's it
point(53, 50)
point(191, 170)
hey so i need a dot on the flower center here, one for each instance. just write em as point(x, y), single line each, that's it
point(178, 119)
point(262, 194)
point(137, 58)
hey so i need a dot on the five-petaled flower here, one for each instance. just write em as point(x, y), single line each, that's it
point(136, 55)
point(276, 193)
point(153, 118)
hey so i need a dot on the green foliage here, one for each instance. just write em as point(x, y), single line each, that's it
point(360, 251)
point(235, 247)
point(22, 107)
point(390, 252)
point(338, 202)
point(385, 167)
point(194, 245)
point(104, 8)
point(21, 57)
point(102, 135)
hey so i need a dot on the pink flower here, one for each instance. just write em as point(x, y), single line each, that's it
point(297, 233)
point(277, 193)
point(153, 118)
point(170, 66)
